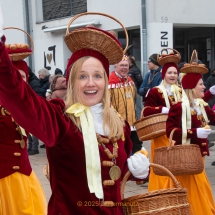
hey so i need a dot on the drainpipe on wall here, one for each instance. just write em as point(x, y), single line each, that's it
point(144, 40)
point(28, 30)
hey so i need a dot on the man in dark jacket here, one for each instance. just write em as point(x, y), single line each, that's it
point(152, 78)
point(135, 74)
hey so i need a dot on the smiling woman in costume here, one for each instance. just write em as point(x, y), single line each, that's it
point(191, 117)
point(88, 145)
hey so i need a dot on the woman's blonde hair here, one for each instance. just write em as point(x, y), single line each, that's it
point(190, 93)
point(111, 121)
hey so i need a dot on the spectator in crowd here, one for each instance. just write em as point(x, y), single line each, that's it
point(58, 71)
point(58, 88)
point(152, 78)
point(135, 74)
point(44, 80)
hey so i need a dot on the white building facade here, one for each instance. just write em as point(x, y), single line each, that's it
point(181, 24)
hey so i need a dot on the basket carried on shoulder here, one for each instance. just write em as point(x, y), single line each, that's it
point(172, 57)
point(151, 126)
point(18, 52)
point(160, 202)
point(183, 159)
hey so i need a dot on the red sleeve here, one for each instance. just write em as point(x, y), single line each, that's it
point(174, 121)
point(152, 100)
point(207, 96)
point(45, 120)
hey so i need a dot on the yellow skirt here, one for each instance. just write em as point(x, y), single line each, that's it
point(199, 193)
point(22, 195)
point(158, 182)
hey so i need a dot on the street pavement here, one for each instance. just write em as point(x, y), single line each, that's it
point(38, 162)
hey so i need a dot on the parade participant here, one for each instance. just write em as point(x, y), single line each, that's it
point(190, 118)
point(123, 96)
point(158, 100)
point(87, 143)
point(20, 190)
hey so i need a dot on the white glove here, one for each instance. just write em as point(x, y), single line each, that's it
point(1, 22)
point(203, 133)
point(138, 165)
point(165, 110)
point(212, 90)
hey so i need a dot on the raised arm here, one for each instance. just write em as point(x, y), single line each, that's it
point(43, 119)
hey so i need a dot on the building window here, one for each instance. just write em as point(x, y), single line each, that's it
point(57, 9)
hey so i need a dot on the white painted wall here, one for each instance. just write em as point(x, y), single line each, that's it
point(187, 12)
point(13, 16)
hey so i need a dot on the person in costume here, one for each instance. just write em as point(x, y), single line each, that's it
point(159, 100)
point(20, 189)
point(190, 117)
point(87, 144)
point(123, 96)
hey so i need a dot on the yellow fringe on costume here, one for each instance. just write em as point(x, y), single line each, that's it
point(158, 182)
point(22, 195)
point(199, 193)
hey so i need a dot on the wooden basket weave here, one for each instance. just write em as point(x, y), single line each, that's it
point(22, 55)
point(194, 68)
point(89, 38)
point(151, 126)
point(172, 201)
point(169, 57)
point(179, 159)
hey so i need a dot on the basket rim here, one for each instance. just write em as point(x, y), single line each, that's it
point(111, 43)
point(193, 69)
point(169, 58)
point(151, 116)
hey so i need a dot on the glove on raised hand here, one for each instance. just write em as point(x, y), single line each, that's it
point(165, 110)
point(1, 22)
point(202, 132)
point(138, 165)
point(212, 90)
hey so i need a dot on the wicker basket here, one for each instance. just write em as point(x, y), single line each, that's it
point(179, 159)
point(191, 68)
point(151, 126)
point(21, 55)
point(172, 201)
point(46, 171)
point(168, 58)
point(95, 39)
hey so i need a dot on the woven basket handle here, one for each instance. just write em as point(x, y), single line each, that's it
point(142, 112)
point(153, 165)
point(103, 14)
point(166, 50)
point(171, 142)
point(31, 41)
point(194, 56)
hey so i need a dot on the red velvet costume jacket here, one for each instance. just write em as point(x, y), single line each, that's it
point(12, 157)
point(155, 99)
point(64, 145)
point(174, 121)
